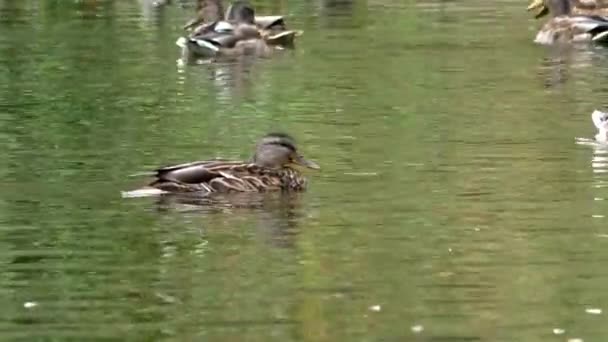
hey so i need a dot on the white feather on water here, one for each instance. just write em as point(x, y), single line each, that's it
point(144, 192)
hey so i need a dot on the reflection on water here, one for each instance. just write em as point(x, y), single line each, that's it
point(231, 79)
point(562, 61)
point(276, 215)
point(599, 163)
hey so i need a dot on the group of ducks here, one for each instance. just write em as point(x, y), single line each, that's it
point(572, 21)
point(276, 162)
point(238, 31)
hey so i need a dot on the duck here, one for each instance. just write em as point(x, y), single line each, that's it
point(244, 39)
point(600, 120)
point(237, 37)
point(272, 27)
point(209, 18)
point(567, 27)
point(273, 167)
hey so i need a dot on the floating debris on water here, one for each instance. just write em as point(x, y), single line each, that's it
point(29, 305)
point(375, 308)
point(417, 328)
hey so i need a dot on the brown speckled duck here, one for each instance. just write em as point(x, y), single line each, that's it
point(567, 27)
point(273, 167)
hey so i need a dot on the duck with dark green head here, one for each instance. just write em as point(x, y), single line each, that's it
point(566, 27)
point(274, 166)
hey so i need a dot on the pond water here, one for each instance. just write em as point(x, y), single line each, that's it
point(453, 203)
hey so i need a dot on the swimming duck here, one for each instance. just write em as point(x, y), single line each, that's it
point(209, 16)
point(273, 167)
point(272, 27)
point(243, 39)
point(237, 37)
point(566, 27)
point(600, 120)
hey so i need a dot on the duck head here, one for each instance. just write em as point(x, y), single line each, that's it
point(278, 150)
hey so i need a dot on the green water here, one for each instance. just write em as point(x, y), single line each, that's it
point(453, 203)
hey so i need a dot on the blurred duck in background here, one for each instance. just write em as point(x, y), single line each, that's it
point(565, 26)
point(238, 32)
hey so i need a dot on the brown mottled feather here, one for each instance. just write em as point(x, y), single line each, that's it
point(226, 176)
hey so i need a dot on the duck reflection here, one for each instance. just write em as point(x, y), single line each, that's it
point(599, 158)
point(556, 67)
point(276, 214)
point(232, 79)
point(565, 62)
point(599, 166)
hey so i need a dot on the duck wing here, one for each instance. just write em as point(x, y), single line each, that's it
point(591, 24)
point(196, 172)
point(216, 176)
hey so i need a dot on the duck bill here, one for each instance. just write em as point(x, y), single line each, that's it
point(540, 6)
point(299, 160)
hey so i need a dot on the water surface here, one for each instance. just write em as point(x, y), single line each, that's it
point(453, 203)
